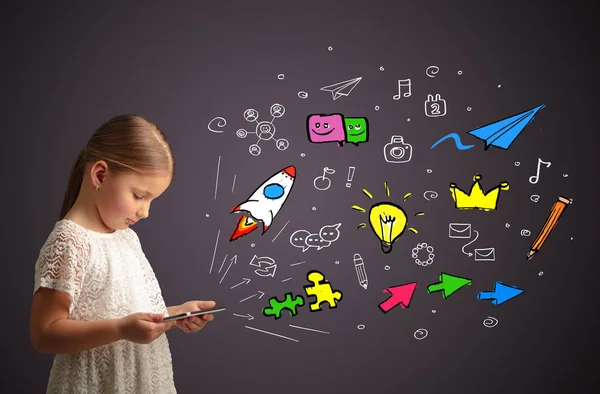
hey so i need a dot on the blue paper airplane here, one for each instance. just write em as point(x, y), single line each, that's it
point(501, 293)
point(502, 133)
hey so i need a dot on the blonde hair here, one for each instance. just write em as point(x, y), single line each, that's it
point(128, 143)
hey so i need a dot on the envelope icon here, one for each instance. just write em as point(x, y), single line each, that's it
point(459, 230)
point(485, 254)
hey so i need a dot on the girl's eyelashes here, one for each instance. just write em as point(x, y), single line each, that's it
point(137, 197)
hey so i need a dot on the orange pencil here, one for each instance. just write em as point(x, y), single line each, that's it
point(557, 209)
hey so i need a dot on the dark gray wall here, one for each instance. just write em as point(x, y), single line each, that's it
point(68, 67)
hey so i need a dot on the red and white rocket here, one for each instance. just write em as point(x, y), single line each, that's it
point(264, 203)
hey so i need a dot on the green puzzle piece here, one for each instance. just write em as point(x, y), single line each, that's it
point(289, 303)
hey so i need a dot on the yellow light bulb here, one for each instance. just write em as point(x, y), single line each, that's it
point(388, 222)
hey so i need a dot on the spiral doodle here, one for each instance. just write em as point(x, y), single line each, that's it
point(430, 193)
point(431, 71)
point(221, 123)
point(525, 233)
point(490, 322)
point(302, 94)
point(535, 197)
point(420, 334)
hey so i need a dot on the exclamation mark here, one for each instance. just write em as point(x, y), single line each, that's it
point(350, 176)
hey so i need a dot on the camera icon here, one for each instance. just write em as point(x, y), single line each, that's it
point(397, 151)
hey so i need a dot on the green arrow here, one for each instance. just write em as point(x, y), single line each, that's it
point(448, 284)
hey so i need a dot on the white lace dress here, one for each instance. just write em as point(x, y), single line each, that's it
point(107, 276)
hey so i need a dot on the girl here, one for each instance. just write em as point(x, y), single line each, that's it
point(97, 304)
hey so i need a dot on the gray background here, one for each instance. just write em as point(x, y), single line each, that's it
point(68, 67)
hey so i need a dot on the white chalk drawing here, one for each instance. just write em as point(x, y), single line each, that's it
point(265, 130)
point(435, 106)
point(305, 239)
point(343, 88)
point(323, 182)
point(266, 266)
point(221, 122)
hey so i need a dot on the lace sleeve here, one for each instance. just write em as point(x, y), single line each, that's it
point(61, 263)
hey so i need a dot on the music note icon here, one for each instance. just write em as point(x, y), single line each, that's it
point(403, 83)
point(537, 176)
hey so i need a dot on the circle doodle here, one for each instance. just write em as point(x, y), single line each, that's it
point(250, 115)
point(415, 254)
point(280, 76)
point(490, 322)
point(468, 108)
point(541, 273)
point(517, 163)
point(302, 94)
point(381, 68)
point(377, 108)
point(429, 170)
point(431, 194)
point(387, 268)
point(361, 326)
point(330, 49)
point(459, 72)
point(525, 233)
point(241, 133)
point(420, 334)
point(431, 71)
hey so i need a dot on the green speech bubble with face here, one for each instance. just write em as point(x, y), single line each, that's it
point(357, 130)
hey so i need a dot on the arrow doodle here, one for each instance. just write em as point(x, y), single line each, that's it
point(400, 295)
point(254, 295)
point(448, 284)
point(232, 261)
point(269, 266)
point(245, 281)
point(247, 316)
point(500, 294)
point(469, 243)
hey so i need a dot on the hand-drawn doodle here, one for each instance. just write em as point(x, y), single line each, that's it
point(485, 254)
point(456, 139)
point(430, 256)
point(308, 329)
point(231, 262)
point(266, 266)
point(351, 171)
point(388, 220)
point(500, 294)
point(325, 237)
point(254, 295)
point(535, 197)
point(435, 106)
point(403, 83)
point(356, 130)
point(490, 322)
point(323, 182)
point(400, 295)
point(341, 88)
point(337, 128)
point(421, 334)
point(323, 292)
point(477, 198)
point(535, 178)
point(430, 193)
point(397, 151)
point(555, 214)
point(448, 284)
point(264, 203)
point(265, 130)
point(503, 133)
point(361, 273)
point(432, 70)
point(525, 233)
point(271, 333)
point(289, 303)
point(459, 230)
point(470, 242)
point(221, 122)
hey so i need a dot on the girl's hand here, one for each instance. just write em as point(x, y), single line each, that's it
point(143, 327)
point(194, 323)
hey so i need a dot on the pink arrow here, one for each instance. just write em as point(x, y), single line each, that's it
point(401, 295)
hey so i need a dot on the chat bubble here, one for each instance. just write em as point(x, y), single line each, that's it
point(326, 128)
point(313, 240)
point(298, 239)
point(357, 130)
point(330, 233)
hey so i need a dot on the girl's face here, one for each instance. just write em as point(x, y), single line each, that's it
point(125, 198)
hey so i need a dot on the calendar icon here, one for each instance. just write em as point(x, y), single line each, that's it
point(435, 106)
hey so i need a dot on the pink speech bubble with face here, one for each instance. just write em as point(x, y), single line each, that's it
point(326, 128)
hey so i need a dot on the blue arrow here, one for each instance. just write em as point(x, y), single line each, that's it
point(501, 293)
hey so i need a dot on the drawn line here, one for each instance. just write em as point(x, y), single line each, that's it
point(308, 329)
point(270, 333)
point(217, 181)
point(456, 139)
point(280, 231)
point(301, 262)
point(469, 243)
point(247, 298)
point(285, 280)
point(215, 251)
point(233, 186)
point(222, 264)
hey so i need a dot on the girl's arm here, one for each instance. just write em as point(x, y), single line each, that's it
point(171, 310)
point(51, 331)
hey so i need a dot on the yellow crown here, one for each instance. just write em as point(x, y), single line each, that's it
point(477, 198)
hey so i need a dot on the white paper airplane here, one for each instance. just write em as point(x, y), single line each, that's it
point(341, 88)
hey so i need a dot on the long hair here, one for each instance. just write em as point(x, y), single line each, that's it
point(128, 143)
